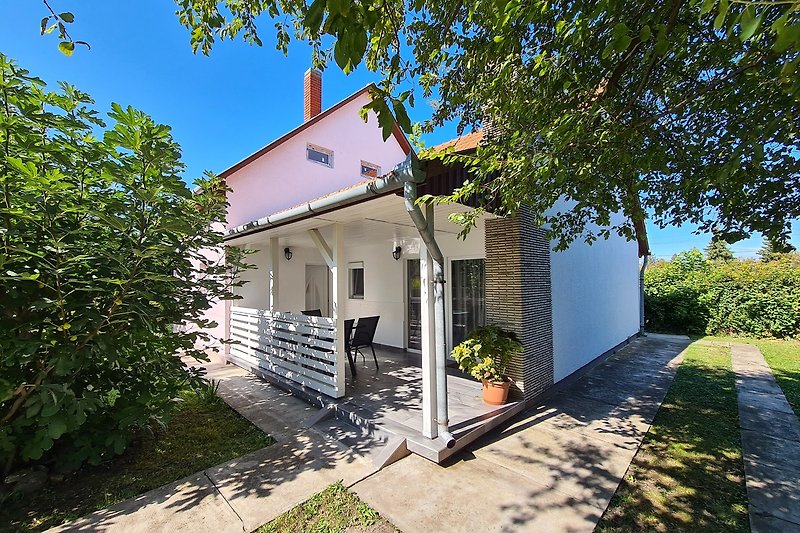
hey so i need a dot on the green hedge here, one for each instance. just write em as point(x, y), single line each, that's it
point(744, 297)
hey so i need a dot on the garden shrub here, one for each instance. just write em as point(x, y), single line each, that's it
point(103, 253)
point(743, 297)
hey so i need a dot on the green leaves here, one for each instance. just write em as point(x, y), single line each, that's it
point(620, 40)
point(66, 47)
point(749, 22)
point(97, 249)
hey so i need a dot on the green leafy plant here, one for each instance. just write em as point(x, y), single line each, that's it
point(208, 392)
point(486, 353)
point(742, 297)
point(108, 263)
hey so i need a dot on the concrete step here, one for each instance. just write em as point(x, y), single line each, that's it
point(361, 436)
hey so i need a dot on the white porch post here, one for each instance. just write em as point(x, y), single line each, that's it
point(429, 398)
point(339, 296)
point(274, 274)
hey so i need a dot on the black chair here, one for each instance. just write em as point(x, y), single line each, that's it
point(348, 334)
point(363, 336)
point(312, 312)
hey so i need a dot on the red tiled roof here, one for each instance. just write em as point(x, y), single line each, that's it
point(464, 143)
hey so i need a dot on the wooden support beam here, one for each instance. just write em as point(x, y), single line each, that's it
point(322, 246)
point(338, 268)
point(274, 274)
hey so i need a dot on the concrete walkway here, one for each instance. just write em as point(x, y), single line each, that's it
point(770, 444)
point(247, 492)
point(555, 469)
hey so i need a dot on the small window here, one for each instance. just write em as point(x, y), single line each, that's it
point(368, 170)
point(320, 155)
point(356, 280)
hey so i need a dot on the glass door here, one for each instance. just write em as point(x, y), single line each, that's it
point(414, 303)
point(468, 309)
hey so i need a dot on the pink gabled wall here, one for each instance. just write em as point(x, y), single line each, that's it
point(283, 177)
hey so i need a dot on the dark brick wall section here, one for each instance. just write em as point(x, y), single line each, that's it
point(518, 296)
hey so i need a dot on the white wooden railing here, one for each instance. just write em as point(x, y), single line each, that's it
point(296, 347)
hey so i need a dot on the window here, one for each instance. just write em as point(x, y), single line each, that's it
point(467, 285)
point(355, 274)
point(368, 170)
point(320, 155)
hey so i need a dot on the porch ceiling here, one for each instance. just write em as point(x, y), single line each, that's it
point(380, 219)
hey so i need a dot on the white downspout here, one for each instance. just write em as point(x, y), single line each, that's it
point(645, 260)
point(412, 175)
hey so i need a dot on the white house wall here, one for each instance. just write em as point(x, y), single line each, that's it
point(283, 177)
point(595, 299)
point(384, 279)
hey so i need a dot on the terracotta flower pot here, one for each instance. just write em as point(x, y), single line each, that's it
point(495, 392)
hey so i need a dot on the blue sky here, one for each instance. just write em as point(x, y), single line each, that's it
point(221, 108)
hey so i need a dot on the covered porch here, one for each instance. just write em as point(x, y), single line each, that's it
point(365, 260)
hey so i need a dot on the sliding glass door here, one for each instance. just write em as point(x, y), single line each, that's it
point(468, 309)
point(413, 299)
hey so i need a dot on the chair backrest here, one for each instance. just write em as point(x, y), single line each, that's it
point(348, 332)
point(365, 331)
point(313, 312)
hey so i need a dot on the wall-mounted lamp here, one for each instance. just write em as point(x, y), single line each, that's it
point(397, 252)
point(287, 253)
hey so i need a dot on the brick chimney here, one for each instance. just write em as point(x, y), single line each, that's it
point(312, 94)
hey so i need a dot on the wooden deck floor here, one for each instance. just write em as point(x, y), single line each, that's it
point(391, 398)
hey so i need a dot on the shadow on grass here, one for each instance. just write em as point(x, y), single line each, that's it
point(688, 475)
point(201, 434)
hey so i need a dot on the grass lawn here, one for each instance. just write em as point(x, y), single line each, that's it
point(333, 510)
point(200, 435)
point(783, 356)
point(688, 475)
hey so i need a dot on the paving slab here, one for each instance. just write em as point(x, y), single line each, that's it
point(555, 468)
point(770, 524)
point(263, 485)
point(242, 494)
point(770, 443)
point(769, 450)
point(189, 505)
point(624, 426)
point(470, 495)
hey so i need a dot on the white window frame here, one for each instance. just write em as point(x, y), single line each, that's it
point(356, 265)
point(321, 150)
point(372, 165)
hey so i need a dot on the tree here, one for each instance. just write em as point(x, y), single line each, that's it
point(686, 109)
point(773, 248)
point(103, 252)
point(718, 250)
point(682, 111)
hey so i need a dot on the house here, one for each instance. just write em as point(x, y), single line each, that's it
point(329, 211)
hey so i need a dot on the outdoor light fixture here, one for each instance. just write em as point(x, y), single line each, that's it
point(396, 253)
point(287, 253)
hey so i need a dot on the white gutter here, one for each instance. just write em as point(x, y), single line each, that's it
point(390, 182)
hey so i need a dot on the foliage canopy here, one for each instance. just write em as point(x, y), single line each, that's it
point(683, 110)
point(680, 111)
point(105, 272)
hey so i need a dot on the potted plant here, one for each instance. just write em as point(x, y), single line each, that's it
point(485, 355)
